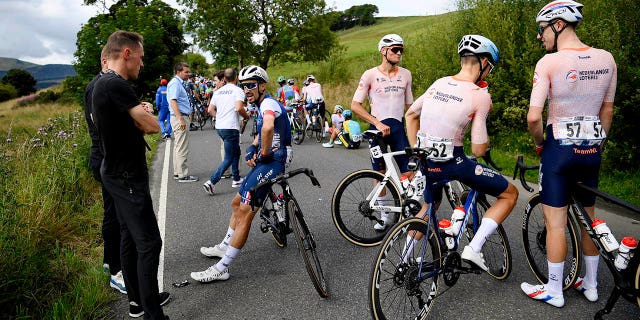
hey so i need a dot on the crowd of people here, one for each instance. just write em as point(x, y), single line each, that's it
point(440, 117)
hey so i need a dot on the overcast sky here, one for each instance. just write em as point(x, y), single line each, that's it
point(44, 31)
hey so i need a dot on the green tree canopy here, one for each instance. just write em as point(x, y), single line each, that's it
point(156, 21)
point(21, 80)
point(246, 31)
point(7, 92)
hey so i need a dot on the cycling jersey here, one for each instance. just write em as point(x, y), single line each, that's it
point(577, 82)
point(447, 108)
point(387, 96)
point(314, 92)
point(337, 120)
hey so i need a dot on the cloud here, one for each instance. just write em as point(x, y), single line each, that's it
point(41, 31)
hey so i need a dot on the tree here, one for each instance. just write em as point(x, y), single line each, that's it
point(7, 92)
point(362, 15)
point(197, 63)
point(21, 80)
point(247, 31)
point(156, 21)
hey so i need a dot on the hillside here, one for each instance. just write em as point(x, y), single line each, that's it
point(47, 75)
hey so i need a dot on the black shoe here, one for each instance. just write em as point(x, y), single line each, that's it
point(136, 311)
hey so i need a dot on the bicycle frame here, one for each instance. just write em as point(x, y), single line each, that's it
point(392, 175)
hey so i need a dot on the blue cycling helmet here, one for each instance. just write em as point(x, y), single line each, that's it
point(347, 114)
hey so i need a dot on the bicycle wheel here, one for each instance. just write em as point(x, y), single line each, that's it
point(307, 247)
point(254, 127)
point(203, 119)
point(534, 240)
point(496, 250)
point(404, 282)
point(453, 191)
point(634, 276)
point(197, 119)
point(298, 134)
point(317, 128)
point(279, 235)
point(350, 208)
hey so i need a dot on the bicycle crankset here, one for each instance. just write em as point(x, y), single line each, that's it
point(451, 263)
point(411, 208)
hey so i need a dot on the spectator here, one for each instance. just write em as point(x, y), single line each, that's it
point(180, 110)
point(228, 103)
point(163, 109)
point(122, 120)
point(110, 224)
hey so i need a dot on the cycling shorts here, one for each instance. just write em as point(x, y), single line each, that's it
point(396, 140)
point(562, 166)
point(475, 175)
point(321, 108)
point(259, 173)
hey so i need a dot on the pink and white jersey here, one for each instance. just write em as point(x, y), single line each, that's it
point(387, 96)
point(576, 81)
point(314, 91)
point(447, 108)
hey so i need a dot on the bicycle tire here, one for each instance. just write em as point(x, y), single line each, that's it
point(534, 243)
point(280, 238)
point(203, 119)
point(298, 134)
point(307, 247)
point(197, 119)
point(351, 213)
point(496, 250)
point(634, 273)
point(393, 285)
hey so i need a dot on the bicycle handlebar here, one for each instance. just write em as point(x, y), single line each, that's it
point(283, 177)
point(520, 166)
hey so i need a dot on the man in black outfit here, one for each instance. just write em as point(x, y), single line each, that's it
point(110, 225)
point(122, 120)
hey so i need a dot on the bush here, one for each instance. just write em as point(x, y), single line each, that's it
point(7, 92)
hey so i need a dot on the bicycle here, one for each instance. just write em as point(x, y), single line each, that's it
point(281, 213)
point(315, 127)
point(201, 116)
point(355, 208)
point(253, 117)
point(627, 281)
point(296, 119)
point(404, 278)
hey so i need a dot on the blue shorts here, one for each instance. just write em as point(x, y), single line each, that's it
point(396, 140)
point(259, 173)
point(475, 175)
point(562, 166)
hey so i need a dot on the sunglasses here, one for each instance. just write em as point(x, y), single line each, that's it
point(248, 85)
point(396, 50)
point(490, 66)
point(542, 28)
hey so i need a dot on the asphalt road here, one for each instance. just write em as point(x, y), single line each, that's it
point(268, 282)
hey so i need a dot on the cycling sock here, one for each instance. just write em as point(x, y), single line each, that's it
point(228, 258)
point(591, 271)
point(408, 248)
point(308, 120)
point(487, 227)
point(555, 277)
point(227, 238)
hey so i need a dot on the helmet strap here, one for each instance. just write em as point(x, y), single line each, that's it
point(556, 33)
point(481, 69)
point(387, 59)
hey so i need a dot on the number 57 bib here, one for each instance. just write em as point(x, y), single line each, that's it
point(580, 130)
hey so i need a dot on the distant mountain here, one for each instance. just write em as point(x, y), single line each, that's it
point(47, 75)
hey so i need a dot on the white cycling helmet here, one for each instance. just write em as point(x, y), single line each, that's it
point(478, 45)
point(389, 40)
point(253, 73)
point(311, 77)
point(291, 81)
point(569, 11)
point(338, 108)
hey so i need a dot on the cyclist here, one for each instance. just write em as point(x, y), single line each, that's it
point(351, 134)
point(282, 81)
point(295, 88)
point(336, 125)
point(388, 87)
point(314, 98)
point(580, 82)
point(440, 117)
point(267, 155)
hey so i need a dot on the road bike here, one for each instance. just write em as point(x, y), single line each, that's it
point(253, 118)
point(314, 129)
point(281, 215)
point(201, 116)
point(296, 118)
point(356, 205)
point(414, 255)
point(534, 235)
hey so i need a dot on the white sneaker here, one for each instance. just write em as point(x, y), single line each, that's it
point(590, 294)
point(215, 251)
point(474, 257)
point(236, 184)
point(338, 142)
point(208, 187)
point(381, 226)
point(117, 282)
point(210, 274)
point(539, 292)
point(328, 144)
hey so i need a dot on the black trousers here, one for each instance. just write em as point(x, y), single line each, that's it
point(140, 239)
point(110, 225)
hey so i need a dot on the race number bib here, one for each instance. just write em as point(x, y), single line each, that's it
point(580, 130)
point(419, 182)
point(440, 149)
point(376, 152)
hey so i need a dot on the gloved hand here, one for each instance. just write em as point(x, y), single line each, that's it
point(251, 151)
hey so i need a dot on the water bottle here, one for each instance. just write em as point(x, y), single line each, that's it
point(625, 252)
point(279, 207)
point(456, 219)
point(406, 186)
point(445, 226)
point(607, 239)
